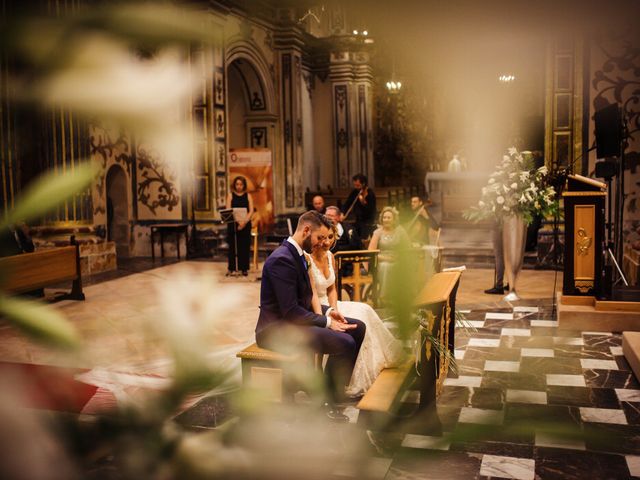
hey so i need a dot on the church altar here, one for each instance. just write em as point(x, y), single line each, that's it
point(454, 192)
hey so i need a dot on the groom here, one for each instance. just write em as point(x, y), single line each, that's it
point(285, 299)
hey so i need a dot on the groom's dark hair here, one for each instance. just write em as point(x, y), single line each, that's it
point(314, 219)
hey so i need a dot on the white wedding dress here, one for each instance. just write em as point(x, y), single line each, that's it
point(380, 349)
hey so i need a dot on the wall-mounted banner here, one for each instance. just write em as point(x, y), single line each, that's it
point(255, 165)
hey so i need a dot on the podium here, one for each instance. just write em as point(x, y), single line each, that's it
point(584, 219)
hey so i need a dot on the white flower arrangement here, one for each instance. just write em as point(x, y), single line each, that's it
point(515, 188)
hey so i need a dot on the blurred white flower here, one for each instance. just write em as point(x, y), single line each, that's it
point(491, 180)
point(514, 185)
point(543, 170)
point(500, 200)
point(105, 78)
point(481, 204)
point(506, 158)
point(512, 151)
point(195, 312)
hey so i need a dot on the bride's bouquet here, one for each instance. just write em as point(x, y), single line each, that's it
point(515, 188)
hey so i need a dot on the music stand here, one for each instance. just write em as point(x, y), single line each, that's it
point(226, 216)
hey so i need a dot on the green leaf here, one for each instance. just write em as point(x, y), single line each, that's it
point(48, 191)
point(39, 322)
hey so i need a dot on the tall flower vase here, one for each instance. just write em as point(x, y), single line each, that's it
point(514, 236)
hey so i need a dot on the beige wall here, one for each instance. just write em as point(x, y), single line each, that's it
point(323, 133)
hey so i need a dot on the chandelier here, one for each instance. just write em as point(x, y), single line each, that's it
point(393, 86)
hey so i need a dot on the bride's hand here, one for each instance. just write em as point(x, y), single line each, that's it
point(337, 316)
point(342, 327)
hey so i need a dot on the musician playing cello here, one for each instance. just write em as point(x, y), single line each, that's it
point(420, 223)
point(360, 207)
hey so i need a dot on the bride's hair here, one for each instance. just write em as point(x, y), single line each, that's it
point(334, 230)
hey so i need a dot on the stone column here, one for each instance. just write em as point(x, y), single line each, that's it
point(351, 82)
point(289, 43)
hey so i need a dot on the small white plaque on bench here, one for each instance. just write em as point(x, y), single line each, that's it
point(269, 381)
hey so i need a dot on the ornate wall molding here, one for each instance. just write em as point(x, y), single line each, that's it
point(618, 78)
point(106, 150)
point(156, 188)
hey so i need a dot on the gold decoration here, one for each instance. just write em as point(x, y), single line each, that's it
point(429, 321)
point(584, 285)
point(584, 242)
point(444, 341)
point(584, 194)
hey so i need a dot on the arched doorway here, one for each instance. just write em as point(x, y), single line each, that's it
point(250, 117)
point(253, 123)
point(118, 210)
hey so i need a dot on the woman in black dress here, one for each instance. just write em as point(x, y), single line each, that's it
point(239, 233)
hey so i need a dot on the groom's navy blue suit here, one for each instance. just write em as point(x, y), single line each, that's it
point(285, 299)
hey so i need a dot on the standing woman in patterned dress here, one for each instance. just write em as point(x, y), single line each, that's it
point(239, 233)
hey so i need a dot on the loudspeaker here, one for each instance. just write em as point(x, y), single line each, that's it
point(608, 131)
point(606, 169)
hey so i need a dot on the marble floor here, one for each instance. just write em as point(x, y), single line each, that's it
point(528, 400)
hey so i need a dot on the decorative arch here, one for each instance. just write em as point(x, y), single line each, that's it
point(255, 71)
point(117, 197)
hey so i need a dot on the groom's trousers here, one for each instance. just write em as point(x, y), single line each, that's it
point(342, 348)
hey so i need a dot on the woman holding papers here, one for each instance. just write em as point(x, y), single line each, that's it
point(239, 231)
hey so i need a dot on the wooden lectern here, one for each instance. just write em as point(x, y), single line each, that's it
point(584, 203)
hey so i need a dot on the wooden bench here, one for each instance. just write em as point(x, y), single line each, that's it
point(30, 271)
point(437, 298)
point(265, 370)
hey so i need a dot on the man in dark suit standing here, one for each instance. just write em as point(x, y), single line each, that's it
point(285, 300)
point(361, 203)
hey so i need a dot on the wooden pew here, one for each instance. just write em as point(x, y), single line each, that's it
point(31, 271)
point(265, 370)
point(437, 298)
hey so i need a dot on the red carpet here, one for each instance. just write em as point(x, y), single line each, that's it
point(61, 388)
point(47, 387)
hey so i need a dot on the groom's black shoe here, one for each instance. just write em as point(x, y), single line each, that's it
point(497, 290)
point(335, 414)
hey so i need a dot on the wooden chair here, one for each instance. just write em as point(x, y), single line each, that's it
point(361, 285)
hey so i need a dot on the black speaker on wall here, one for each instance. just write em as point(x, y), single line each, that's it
point(608, 131)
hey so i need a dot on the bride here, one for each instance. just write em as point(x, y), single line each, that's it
point(380, 349)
